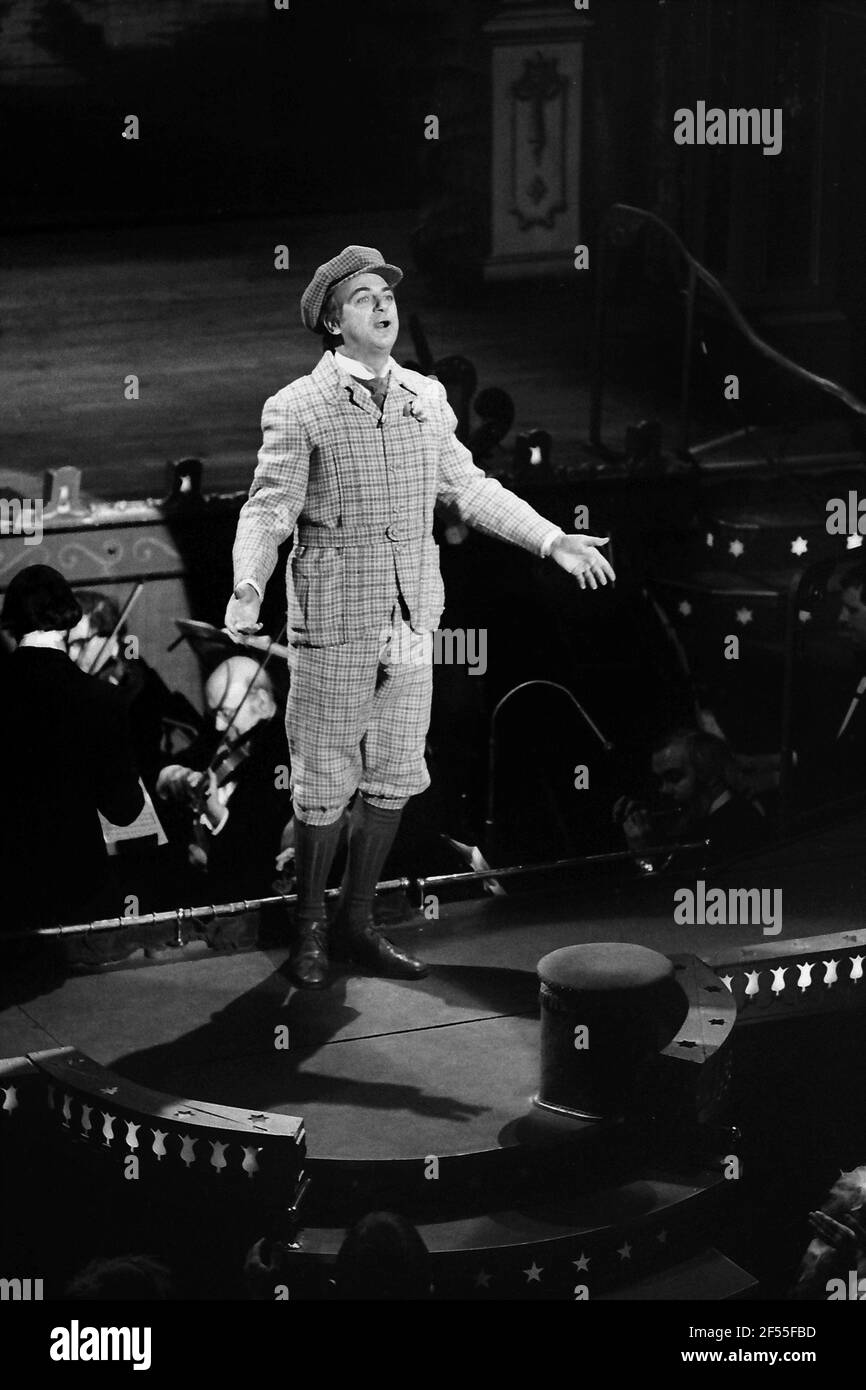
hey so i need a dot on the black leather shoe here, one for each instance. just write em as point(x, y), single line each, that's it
point(379, 955)
point(309, 960)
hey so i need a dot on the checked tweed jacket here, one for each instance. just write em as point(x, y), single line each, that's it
point(358, 486)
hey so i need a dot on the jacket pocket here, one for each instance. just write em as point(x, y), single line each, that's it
point(316, 595)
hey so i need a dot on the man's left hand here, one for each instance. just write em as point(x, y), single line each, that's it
point(579, 556)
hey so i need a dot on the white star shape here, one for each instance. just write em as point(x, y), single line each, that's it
point(582, 1263)
point(533, 1274)
point(482, 1279)
point(854, 543)
point(711, 540)
point(736, 549)
point(744, 616)
point(685, 608)
point(799, 546)
point(624, 1251)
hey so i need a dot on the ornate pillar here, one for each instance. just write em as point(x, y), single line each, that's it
point(537, 90)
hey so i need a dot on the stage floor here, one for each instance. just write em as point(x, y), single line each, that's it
point(381, 1067)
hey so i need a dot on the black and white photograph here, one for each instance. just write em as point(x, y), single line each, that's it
point(432, 671)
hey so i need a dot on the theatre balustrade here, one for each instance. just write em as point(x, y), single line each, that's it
point(131, 1132)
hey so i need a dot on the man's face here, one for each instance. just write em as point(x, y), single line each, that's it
point(676, 774)
point(852, 618)
point(225, 701)
point(368, 316)
point(89, 650)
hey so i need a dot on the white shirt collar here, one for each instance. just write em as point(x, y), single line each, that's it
point(721, 800)
point(360, 369)
point(44, 639)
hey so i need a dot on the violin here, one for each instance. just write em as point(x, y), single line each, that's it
point(223, 769)
point(230, 756)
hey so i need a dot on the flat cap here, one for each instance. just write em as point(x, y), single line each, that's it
point(352, 260)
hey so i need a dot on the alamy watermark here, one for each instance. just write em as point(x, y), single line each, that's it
point(729, 907)
point(77, 1343)
point(21, 517)
point(461, 646)
point(20, 1290)
point(736, 126)
point(846, 516)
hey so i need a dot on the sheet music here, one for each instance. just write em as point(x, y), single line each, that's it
point(147, 822)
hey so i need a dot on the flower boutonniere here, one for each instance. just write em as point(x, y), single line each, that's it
point(416, 411)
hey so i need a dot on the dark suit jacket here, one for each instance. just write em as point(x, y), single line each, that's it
point(66, 754)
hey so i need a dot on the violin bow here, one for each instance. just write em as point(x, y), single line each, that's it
point(125, 612)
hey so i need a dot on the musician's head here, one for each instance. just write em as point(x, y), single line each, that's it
point(852, 614)
point(39, 601)
point(88, 644)
point(693, 768)
point(227, 698)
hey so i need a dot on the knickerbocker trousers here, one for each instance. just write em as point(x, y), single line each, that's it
point(357, 719)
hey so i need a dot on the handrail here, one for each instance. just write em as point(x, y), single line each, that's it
point(205, 914)
point(697, 273)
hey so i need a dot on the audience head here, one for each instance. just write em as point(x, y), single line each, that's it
point(88, 647)
point(383, 1258)
point(227, 698)
point(132, 1277)
point(693, 768)
point(39, 599)
point(852, 614)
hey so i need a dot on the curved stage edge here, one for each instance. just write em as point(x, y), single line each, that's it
point(417, 1096)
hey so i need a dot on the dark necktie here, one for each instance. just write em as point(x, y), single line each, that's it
point(377, 386)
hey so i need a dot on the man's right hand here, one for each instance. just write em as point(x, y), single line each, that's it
point(242, 613)
point(635, 822)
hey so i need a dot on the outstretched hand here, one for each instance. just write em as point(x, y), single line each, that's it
point(579, 556)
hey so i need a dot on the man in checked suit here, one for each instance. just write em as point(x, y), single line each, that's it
point(354, 458)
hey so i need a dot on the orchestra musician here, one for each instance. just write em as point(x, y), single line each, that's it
point(231, 786)
point(66, 757)
point(100, 646)
point(697, 796)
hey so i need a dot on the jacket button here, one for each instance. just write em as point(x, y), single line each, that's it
point(391, 532)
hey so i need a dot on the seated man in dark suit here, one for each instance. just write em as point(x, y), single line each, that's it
point(66, 757)
point(697, 798)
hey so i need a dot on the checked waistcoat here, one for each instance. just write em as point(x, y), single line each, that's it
point(357, 486)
